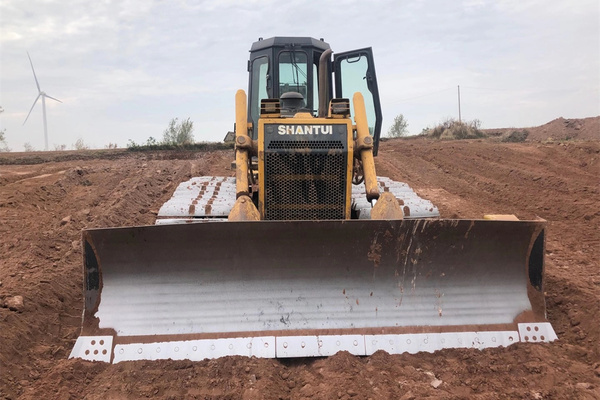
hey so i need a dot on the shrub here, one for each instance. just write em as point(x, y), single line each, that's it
point(515, 136)
point(80, 145)
point(179, 133)
point(451, 129)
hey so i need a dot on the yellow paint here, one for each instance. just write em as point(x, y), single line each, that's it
point(244, 210)
point(387, 208)
point(501, 217)
point(363, 140)
point(241, 154)
point(304, 115)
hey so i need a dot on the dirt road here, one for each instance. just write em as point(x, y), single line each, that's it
point(44, 207)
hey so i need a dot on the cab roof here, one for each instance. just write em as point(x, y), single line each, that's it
point(283, 41)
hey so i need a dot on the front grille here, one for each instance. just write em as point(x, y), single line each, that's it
point(305, 185)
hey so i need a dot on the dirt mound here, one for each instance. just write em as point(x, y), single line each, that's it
point(44, 207)
point(452, 129)
point(556, 130)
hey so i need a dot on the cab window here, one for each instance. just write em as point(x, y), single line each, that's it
point(293, 76)
point(260, 71)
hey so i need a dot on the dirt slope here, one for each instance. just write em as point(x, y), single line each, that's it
point(43, 208)
point(558, 129)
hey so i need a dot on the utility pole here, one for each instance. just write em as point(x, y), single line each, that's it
point(459, 120)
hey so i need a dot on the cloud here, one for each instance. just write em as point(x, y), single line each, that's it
point(124, 68)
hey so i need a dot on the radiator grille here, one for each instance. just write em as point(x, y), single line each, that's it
point(305, 185)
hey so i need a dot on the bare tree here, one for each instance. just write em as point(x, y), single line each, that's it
point(80, 145)
point(3, 146)
point(28, 147)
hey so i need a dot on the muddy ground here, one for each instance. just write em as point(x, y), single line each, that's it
point(45, 205)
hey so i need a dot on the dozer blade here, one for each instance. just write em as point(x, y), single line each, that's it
point(310, 288)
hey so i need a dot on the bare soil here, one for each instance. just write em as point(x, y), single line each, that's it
point(45, 204)
point(557, 130)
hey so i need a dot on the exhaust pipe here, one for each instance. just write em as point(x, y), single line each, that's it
point(324, 83)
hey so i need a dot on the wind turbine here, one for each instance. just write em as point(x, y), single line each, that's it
point(43, 95)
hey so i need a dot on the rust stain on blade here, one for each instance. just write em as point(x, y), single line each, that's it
point(469, 230)
point(374, 254)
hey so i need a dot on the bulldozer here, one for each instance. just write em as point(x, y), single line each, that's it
point(306, 252)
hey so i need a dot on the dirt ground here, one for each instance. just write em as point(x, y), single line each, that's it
point(46, 202)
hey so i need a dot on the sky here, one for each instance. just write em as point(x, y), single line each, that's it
point(123, 69)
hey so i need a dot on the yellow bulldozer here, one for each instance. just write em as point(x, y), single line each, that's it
point(306, 251)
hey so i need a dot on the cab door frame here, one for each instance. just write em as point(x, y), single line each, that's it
point(343, 88)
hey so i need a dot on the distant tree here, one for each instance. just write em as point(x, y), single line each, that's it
point(60, 147)
point(111, 145)
point(399, 127)
point(28, 147)
point(179, 133)
point(80, 145)
point(3, 146)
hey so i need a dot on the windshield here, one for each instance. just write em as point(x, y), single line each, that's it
point(293, 73)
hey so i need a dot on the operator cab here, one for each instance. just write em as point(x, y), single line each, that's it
point(287, 68)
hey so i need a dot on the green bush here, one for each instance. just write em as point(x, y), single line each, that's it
point(399, 128)
point(178, 136)
point(179, 133)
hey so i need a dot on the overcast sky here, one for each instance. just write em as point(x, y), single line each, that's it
point(123, 69)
